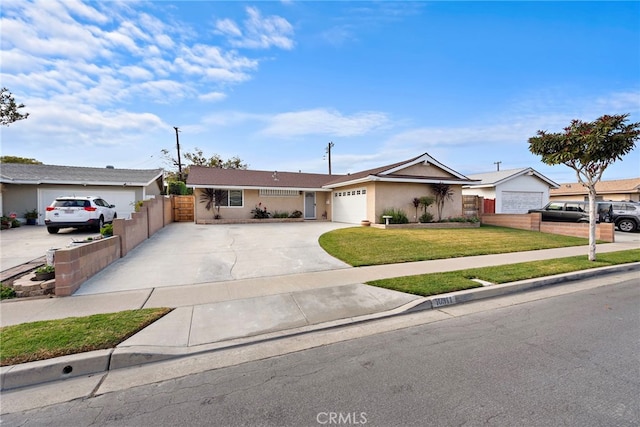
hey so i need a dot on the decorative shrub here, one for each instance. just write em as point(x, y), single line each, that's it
point(260, 212)
point(397, 216)
point(461, 219)
point(6, 292)
point(107, 230)
point(277, 214)
point(46, 269)
point(426, 217)
point(296, 214)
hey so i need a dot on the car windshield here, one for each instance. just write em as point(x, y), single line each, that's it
point(71, 203)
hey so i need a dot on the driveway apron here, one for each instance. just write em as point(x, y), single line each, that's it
point(187, 253)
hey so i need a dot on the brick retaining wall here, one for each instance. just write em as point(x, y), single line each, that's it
point(533, 222)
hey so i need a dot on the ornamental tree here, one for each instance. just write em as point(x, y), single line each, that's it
point(588, 148)
point(9, 109)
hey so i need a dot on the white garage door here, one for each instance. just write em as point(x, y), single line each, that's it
point(123, 199)
point(350, 206)
point(519, 202)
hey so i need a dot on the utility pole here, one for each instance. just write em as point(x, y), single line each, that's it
point(179, 159)
point(329, 146)
point(498, 165)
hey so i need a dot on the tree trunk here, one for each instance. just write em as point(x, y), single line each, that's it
point(593, 215)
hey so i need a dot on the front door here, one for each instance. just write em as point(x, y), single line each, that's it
point(309, 205)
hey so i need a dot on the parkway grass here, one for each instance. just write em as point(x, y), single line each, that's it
point(439, 283)
point(28, 342)
point(360, 246)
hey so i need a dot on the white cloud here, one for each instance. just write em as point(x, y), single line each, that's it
point(212, 96)
point(258, 32)
point(324, 122)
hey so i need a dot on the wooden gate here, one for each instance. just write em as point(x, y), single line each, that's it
point(489, 206)
point(470, 206)
point(183, 207)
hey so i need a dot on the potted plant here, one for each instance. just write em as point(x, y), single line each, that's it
point(46, 272)
point(31, 216)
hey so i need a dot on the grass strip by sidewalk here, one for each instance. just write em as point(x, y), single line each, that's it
point(360, 246)
point(439, 283)
point(28, 342)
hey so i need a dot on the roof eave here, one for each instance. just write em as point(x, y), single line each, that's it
point(255, 187)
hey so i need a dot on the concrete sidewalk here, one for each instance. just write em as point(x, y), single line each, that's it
point(210, 316)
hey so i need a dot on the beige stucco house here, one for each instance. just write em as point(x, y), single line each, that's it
point(616, 190)
point(341, 198)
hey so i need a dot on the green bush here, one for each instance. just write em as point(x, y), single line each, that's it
point(6, 292)
point(45, 269)
point(107, 230)
point(178, 188)
point(260, 212)
point(296, 214)
point(277, 214)
point(426, 217)
point(397, 216)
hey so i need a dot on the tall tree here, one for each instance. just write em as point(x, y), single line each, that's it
point(9, 109)
point(588, 148)
point(198, 158)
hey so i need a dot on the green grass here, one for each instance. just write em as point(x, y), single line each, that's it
point(439, 283)
point(41, 340)
point(359, 246)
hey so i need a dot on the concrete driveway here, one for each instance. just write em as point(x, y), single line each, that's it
point(187, 253)
point(21, 245)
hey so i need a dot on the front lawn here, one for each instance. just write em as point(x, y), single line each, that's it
point(359, 246)
point(41, 340)
point(440, 283)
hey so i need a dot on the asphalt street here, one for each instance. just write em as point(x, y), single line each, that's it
point(549, 359)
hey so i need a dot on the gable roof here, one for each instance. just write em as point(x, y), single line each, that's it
point(390, 173)
point(18, 173)
point(617, 186)
point(202, 176)
point(492, 179)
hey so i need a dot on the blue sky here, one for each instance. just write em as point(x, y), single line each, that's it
point(274, 82)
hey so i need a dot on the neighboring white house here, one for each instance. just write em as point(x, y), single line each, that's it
point(514, 190)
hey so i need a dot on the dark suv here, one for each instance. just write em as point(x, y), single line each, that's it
point(625, 215)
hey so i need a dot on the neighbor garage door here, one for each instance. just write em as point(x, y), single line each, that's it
point(123, 199)
point(350, 206)
point(519, 202)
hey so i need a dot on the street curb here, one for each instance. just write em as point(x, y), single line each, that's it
point(33, 373)
point(59, 368)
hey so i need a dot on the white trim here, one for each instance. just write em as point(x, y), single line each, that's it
point(426, 159)
point(278, 192)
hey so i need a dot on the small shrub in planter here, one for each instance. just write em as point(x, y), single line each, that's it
point(31, 216)
point(46, 272)
point(260, 212)
point(107, 230)
point(296, 214)
point(277, 214)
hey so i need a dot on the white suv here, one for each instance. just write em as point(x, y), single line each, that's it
point(76, 212)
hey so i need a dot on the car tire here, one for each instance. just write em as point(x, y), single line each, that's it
point(52, 230)
point(100, 223)
point(627, 225)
